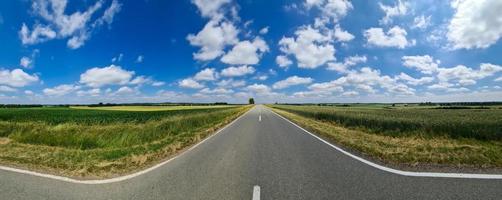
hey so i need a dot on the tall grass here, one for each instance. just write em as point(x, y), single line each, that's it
point(97, 142)
point(481, 124)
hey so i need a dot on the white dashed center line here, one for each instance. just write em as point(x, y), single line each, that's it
point(256, 192)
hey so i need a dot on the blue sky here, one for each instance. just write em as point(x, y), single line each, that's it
point(90, 51)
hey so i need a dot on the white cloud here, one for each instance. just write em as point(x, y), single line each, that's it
point(77, 27)
point(29, 92)
point(291, 81)
point(231, 83)
point(348, 62)
point(111, 75)
point(283, 61)
point(310, 48)
point(216, 91)
point(365, 80)
point(26, 62)
point(475, 24)
point(414, 81)
point(16, 78)
point(498, 79)
point(264, 30)
point(259, 89)
point(210, 8)
point(467, 76)
point(4, 88)
point(342, 35)
point(208, 74)
point(237, 71)
point(158, 83)
point(92, 92)
point(60, 90)
point(190, 83)
point(39, 34)
point(394, 37)
point(350, 94)
point(421, 22)
point(140, 59)
point(333, 9)
point(246, 52)
point(124, 91)
point(425, 64)
point(399, 9)
point(212, 39)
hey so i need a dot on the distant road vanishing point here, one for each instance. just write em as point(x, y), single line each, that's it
point(258, 156)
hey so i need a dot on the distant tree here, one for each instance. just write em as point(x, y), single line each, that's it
point(251, 101)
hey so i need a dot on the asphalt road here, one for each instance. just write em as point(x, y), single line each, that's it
point(284, 161)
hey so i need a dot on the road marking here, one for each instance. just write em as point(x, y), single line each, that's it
point(121, 178)
point(256, 192)
point(395, 171)
point(259, 118)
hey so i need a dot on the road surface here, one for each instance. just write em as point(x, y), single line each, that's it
point(263, 155)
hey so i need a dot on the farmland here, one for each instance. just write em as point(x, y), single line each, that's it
point(459, 137)
point(102, 142)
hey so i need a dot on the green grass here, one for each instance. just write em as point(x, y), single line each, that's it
point(481, 124)
point(411, 136)
point(89, 142)
point(148, 108)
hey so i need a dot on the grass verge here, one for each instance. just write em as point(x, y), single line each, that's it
point(440, 153)
point(119, 145)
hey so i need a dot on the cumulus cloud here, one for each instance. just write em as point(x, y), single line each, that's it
point(92, 92)
point(213, 38)
point(475, 24)
point(76, 27)
point(61, 90)
point(246, 52)
point(259, 89)
point(425, 63)
point(394, 37)
point(237, 71)
point(216, 91)
point(210, 8)
point(283, 61)
point(17, 78)
point(291, 81)
point(365, 80)
point(467, 76)
point(190, 83)
point(310, 47)
point(414, 81)
point(348, 62)
point(4, 88)
point(111, 75)
point(342, 35)
point(333, 9)
point(399, 9)
point(230, 83)
point(208, 74)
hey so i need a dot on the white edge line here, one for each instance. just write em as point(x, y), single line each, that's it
point(256, 192)
point(395, 171)
point(121, 178)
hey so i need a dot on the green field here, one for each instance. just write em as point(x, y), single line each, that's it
point(482, 124)
point(470, 136)
point(101, 142)
point(147, 108)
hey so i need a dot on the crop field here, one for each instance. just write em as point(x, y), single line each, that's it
point(101, 142)
point(470, 136)
point(482, 124)
point(148, 108)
